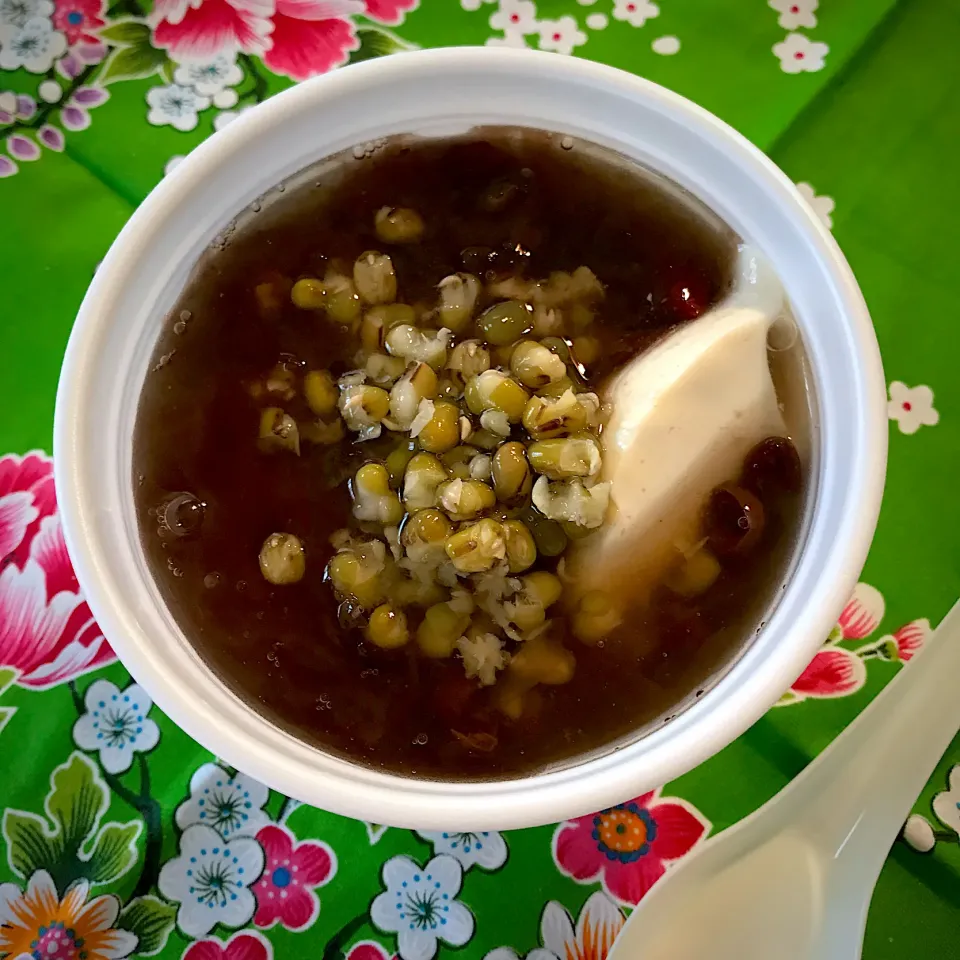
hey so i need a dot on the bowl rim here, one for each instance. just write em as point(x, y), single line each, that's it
point(124, 606)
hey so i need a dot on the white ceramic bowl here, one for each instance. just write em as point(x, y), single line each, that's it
point(441, 91)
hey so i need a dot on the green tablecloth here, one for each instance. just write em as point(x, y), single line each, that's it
point(122, 837)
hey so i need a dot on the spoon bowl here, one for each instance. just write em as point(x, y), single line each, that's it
point(793, 881)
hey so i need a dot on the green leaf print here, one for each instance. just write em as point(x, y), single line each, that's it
point(134, 56)
point(126, 33)
point(78, 800)
point(114, 851)
point(69, 842)
point(151, 919)
point(132, 63)
point(30, 845)
point(376, 42)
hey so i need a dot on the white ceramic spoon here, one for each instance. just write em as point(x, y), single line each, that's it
point(793, 881)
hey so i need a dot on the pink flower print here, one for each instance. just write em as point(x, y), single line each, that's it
point(902, 645)
point(78, 19)
point(26, 496)
point(75, 115)
point(311, 36)
point(35, 922)
point(90, 97)
point(91, 53)
point(833, 672)
point(862, 614)
point(630, 846)
point(50, 552)
point(202, 29)
point(369, 950)
point(46, 629)
point(74, 118)
point(911, 638)
point(17, 512)
point(285, 890)
point(241, 946)
point(50, 637)
point(26, 106)
point(70, 66)
point(51, 138)
point(390, 12)
point(22, 148)
point(836, 671)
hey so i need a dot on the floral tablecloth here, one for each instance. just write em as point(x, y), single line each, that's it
point(120, 836)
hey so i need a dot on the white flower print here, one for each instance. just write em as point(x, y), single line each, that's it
point(116, 724)
point(823, 206)
point(515, 16)
point(225, 99)
point(225, 117)
point(58, 929)
point(175, 105)
point(472, 5)
point(912, 407)
point(946, 805)
point(597, 926)
point(210, 880)
point(232, 804)
point(15, 14)
point(918, 833)
point(34, 47)
point(795, 13)
point(635, 12)
point(50, 91)
point(510, 38)
point(228, 116)
point(172, 163)
point(798, 54)
point(487, 849)
point(210, 77)
point(561, 35)
point(666, 46)
point(420, 906)
point(599, 923)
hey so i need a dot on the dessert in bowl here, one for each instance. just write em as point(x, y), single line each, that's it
point(330, 512)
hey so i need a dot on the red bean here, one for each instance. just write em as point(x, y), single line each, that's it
point(734, 520)
point(772, 466)
point(687, 299)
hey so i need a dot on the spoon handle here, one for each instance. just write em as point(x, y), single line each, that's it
point(861, 788)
